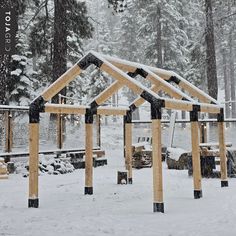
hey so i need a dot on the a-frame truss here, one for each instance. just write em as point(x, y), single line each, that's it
point(124, 73)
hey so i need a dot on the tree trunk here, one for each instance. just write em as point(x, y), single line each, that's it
point(227, 85)
point(232, 74)
point(4, 77)
point(159, 38)
point(210, 52)
point(59, 42)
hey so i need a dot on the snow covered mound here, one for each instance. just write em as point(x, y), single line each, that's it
point(177, 158)
point(51, 165)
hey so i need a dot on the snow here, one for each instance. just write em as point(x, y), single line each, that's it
point(158, 70)
point(117, 209)
point(16, 72)
point(175, 153)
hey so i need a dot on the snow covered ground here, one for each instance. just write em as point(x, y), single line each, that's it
point(115, 209)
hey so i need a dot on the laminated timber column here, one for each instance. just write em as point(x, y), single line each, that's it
point(222, 149)
point(128, 144)
point(196, 164)
point(36, 107)
point(158, 204)
point(88, 152)
point(98, 129)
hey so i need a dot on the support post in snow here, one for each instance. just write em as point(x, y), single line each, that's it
point(158, 204)
point(196, 152)
point(35, 108)
point(222, 148)
point(128, 144)
point(88, 152)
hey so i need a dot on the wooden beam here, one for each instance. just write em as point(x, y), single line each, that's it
point(209, 108)
point(166, 87)
point(158, 205)
point(111, 111)
point(140, 101)
point(223, 159)
point(33, 164)
point(88, 159)
point(65, 109)
point(128, 150)
point(196, 160)
point(61, 82)
point(164, 74)
point(178, 105)
point(107, 93)
point(121, 77)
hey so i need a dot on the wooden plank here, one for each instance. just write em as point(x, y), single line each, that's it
point(121, 78)
point(196, 157)
point(128, 150)
point(166, 87)
point(193, 92)
point(61, 82)
point(33, 160)
point(107, 93)
point(140, 101)
point(157, 162)
point(89, 156)
point(65, 109)
point(222, 148)
point(178, 105)
point(208, 108)
point(111, 111)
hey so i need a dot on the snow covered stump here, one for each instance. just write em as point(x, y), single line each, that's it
point(3, 169)
point(222, 148)
point(122, 177)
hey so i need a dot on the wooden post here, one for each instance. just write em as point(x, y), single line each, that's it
point(222, 149)
point(98, 127)
point(33, 164)
point(203, 132)
point(9, 133)
point(158, 204)
point(128, 145)
point(88, 154)
point(60, 127)
point(59, 131)
point(196, 154)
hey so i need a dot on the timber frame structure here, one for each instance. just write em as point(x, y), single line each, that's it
point(124, 73)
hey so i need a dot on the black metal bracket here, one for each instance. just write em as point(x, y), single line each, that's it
point(174, 79)
point(85, 62)
point(194, 112)
point(155, 111)
point(128, 117)
point(90, 112)
point(220, 116)
point(141, 72)
point(151, 99)
point(37, 106)
point(132, 107)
